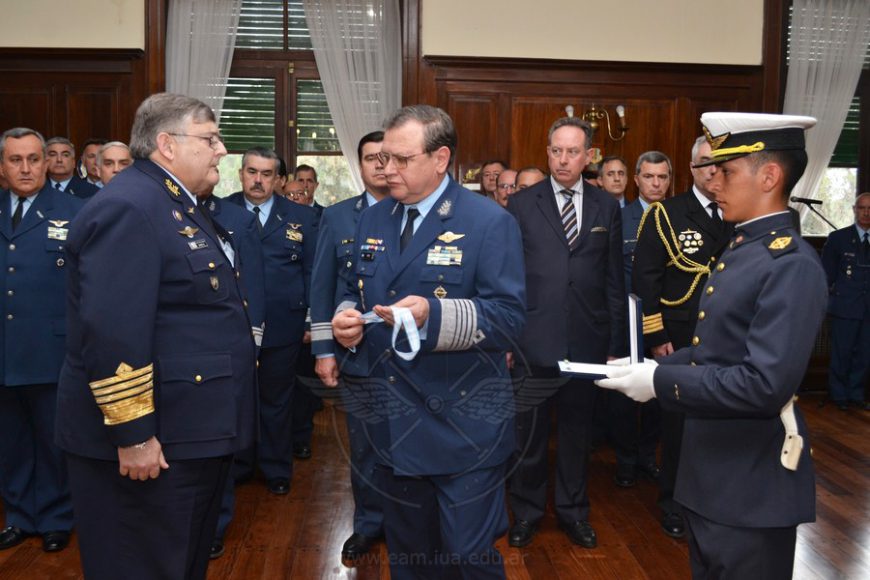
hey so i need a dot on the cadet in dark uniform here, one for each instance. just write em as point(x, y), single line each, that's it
point(287, 237)
point(333, 271)
point(158, 388)
point(34, 224)
point(846, 258)
point(454, 260)
point(689, 227)
point(745, 478)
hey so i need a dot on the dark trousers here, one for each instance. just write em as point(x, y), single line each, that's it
point(573, 401)
point(720, 552)
point(672, 440)
point(850, 359)
point(156, 529)
point(276, 376)
point(444, 527)
point(305, 402)
point(33, 478)
point(635, 430)
point(368, 512)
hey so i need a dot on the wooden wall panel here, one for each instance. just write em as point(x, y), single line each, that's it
point(480, 111)
point(25, 106)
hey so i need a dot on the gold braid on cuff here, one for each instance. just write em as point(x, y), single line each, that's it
point(126, 396)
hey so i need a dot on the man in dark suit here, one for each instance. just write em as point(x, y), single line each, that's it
point(288, 238)
point(745, 481)
point(846, 258)
point(613, 177)
point(34, 223)
point(333, 271)
point(689, 225)
point(61, 155)
point(158, 388)
point(89, 166)
point(635, 428)
point(449, 262)
point(572, 243)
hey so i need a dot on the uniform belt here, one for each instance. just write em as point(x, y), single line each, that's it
point(794, 443)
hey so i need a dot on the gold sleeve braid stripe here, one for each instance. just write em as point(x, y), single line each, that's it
point(126, 396)
point(672, 246)
point(653, 323)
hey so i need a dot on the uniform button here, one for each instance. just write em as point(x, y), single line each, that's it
point(388, 352)
point(198, 378)
point(237, 275)
point(391, 293)
point(721, 266)
point(11, 246)
point(709, 290)
point(362, 269)
point(462, 393)
point(10, 293)
point(11, 269)
point(60, 262)
point(693, 364)
point(392, 379)
point(440, 277)
point(258, 364)
point(349, 264)
point(712, 258)
point(696, 341)
point(211, 265)
point(702, 315)
point(9, 317)
point(245, 302)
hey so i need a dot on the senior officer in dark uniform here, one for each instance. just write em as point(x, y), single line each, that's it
point(745, 478)
point(34, 224)
point(846, 258)
point(158, 388)
point(287, 237)
point(333, 271)
point(444, 427)
point(680, 239)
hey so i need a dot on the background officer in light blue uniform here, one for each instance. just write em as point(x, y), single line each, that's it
point(288, 237)
point(846, 257)
point(34, 223)
point(745, 477)
point(333, 271)
point(444, 419)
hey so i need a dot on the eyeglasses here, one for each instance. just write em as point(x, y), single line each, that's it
point(401, 161)
point(507, 186)
point(213, 140)
point(370, 158)
point(556, 152)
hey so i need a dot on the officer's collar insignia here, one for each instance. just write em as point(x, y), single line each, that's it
point(211, 205)
point(188, 231)
point(172, 187)
point(450, 237)
point(780, 243)
point(395, 207)
point(715, 142)
point(278, 217)
point(445, 207)
point(177, 215)
point(191, 210)
point(58, 223)
point(359, 204)
point(39, 213)
point(294, 226)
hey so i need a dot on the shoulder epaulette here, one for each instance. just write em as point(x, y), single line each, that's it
point(779, 243)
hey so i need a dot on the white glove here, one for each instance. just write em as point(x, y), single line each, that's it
point(634, 381)
point(625, 361)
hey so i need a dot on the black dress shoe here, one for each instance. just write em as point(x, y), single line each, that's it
point(841, 405)
point(301, 451)
point(11, 537)
point(672, 524)
point(279, 486)
point(650, 469)
point(55, 541)
point(521, 533)
point(216, 550)
point(581, 533)
point(356, 545)
point(625, 476)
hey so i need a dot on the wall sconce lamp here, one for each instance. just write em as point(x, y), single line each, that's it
point(594, 115)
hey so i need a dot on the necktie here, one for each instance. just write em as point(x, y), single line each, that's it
point(257, 216)
point(203, 209)
point(19, 212)
point(569, 218)
point(408, 232)
point(714, 215)
point(865, 247)
point(58, 186)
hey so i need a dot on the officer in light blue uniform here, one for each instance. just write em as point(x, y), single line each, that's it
point(333, 271)
point(34, 224)
point(441, 420)
point(745, 477)
point(288, 237)
point(846, 257)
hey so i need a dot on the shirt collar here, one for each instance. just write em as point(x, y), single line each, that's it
point(64, 184)
point(643, 203)
point(578, 187)
point(701, 198)
point(13, 199)
point(370, 199)
point(761, 217)
point(429, 201)
point(861, 232)
point(265, 207)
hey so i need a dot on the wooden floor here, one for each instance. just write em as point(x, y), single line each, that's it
point(299, 536)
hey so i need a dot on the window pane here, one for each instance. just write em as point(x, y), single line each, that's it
point(846, 151)
point(314, 129)
point(248, 114)
point(261, 25)
point(298, 35)
point(837, 190)
point(229, 170)
point(333, 175)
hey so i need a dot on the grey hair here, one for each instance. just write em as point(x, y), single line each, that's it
point(697, 146)
point(263, 152)
point(62, 141)
point(438, 129)
point(654, 158)
point(18, 133)
point(108, 145)
point(164, 113)
point(571, 122)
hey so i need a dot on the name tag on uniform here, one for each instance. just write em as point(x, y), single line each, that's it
point(55, 233)
point(444, 256)
point(197, 244)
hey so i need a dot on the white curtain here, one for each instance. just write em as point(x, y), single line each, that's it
point(829, 40)
point(200, 38)
point(359, 56)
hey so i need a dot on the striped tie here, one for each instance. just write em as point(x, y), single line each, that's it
point(569, 218)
